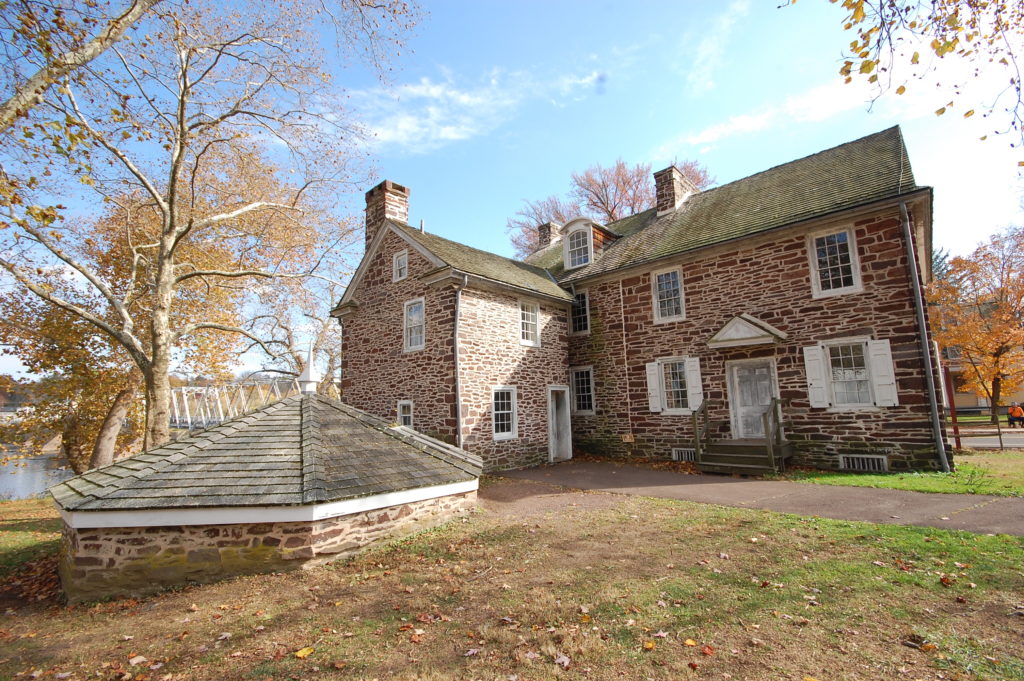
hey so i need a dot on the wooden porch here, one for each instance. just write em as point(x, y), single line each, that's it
point(751, 456)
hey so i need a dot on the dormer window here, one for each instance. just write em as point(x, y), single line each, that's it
point(579, 249)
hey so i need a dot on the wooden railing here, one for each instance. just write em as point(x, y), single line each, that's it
point(772, 421)
point(701, 430)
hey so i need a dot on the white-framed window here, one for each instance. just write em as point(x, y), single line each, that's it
point(579, 248)
point(582, 389)
point(667, 295)
point(835, 269)
point(674, 385)
point(851, 373)
point(405, 408)
point(529, 323)
point(579, 317)
point(504, 415)
point(400, 266)
point(414, 325)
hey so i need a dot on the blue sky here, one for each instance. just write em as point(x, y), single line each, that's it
point(495, 103)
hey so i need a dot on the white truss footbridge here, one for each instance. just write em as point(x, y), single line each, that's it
point(195, 407)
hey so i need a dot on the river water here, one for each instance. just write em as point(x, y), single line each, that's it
point(29, 477)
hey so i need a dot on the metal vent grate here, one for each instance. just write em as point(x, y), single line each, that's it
point(684, 454)
point(865, 463)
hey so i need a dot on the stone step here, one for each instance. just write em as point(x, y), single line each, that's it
point(732, 458)
point(734, 469)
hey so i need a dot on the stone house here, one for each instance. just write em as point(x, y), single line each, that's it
point(776, 318)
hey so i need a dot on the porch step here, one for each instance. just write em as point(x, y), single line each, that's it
point(742, 457)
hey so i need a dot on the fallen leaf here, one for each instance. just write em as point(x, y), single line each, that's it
point(137, 660)
point(563, 661)
point(224, 635)
point(649, 645)
point(303, 653)
point(689, 642)
point(339, 664)
point(693, 665)
point(660, 634)
point(707, 650)
point(474, 651)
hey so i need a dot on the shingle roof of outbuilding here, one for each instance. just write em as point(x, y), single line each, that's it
point(860, 172)
point(302, 450)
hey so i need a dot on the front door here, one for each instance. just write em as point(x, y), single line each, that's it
point(751, 389)
point(559, 428)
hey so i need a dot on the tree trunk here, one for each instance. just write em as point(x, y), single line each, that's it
point(73, 444)
point(106, 439)
point(997, 389)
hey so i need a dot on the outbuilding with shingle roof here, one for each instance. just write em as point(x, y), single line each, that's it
point(304, 480)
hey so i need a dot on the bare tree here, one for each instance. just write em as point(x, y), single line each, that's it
point(218, 124)
point(602, 193)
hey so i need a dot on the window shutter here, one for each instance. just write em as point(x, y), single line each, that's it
point(694, 390)
point(883, 375)
point(817, 385)
point(654, 386)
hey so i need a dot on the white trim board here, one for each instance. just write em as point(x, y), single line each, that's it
point(163, 517)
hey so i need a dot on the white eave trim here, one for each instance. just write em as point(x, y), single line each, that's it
point(164, 517)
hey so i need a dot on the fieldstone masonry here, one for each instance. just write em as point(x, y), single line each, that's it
point(769, 279)
point(132, 561)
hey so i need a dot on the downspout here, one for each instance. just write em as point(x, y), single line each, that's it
point(455, 353)
point(926, 353)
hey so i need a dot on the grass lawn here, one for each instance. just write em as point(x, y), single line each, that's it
point(29, 529)
point(999, 473)
point(551, 584)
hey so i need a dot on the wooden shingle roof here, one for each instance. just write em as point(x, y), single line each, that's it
point(857, 173)
point(304, 449)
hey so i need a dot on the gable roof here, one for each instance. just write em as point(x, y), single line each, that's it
point(484, 264)
point(863, 171)
point(304, 449)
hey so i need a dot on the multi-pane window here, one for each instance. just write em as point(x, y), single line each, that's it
point(503, 413)
point(674, 385)
point(579, 248)
point(834, 262)
point(579, 321)
point(583, 389)
point(400, 266)
point(668, 295)
point(529, 317)
point(851, 381)
point(415, 327)
point(405, 413)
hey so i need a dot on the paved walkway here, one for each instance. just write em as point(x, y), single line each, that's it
point(974, 513)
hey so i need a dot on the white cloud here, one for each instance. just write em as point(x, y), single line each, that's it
point(710, 49)
point(425, 115)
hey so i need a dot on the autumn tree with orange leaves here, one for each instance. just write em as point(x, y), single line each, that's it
point(602, 193)
point(210, 134)
point(978, 310)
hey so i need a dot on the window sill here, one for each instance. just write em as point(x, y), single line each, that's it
point(669, 320)
point(676, 412)
point(505, 436)
point(852, 407)
point(579, 334)
point(415, 349)
point(529, 344)
point(584, 412)
point(816, 294)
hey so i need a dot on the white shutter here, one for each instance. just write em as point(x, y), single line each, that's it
point(883, 375)
point(694, 390)
point(654, 386)
point(817, 385)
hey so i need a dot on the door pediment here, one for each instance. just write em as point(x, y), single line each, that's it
point(745, 330)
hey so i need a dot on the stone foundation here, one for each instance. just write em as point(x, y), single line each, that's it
point(132, 561)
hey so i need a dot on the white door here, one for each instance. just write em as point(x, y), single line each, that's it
point(559, 427)
point(751, 389)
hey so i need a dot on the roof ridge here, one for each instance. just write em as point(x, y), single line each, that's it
point(311, 451)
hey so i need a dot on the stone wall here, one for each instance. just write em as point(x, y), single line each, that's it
point(770, 279)
point(490, 355)
point(132, 561)
point(376, 371)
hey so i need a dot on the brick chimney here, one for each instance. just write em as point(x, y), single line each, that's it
point(672, 189)
point(544, 233)
point(386, 201)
